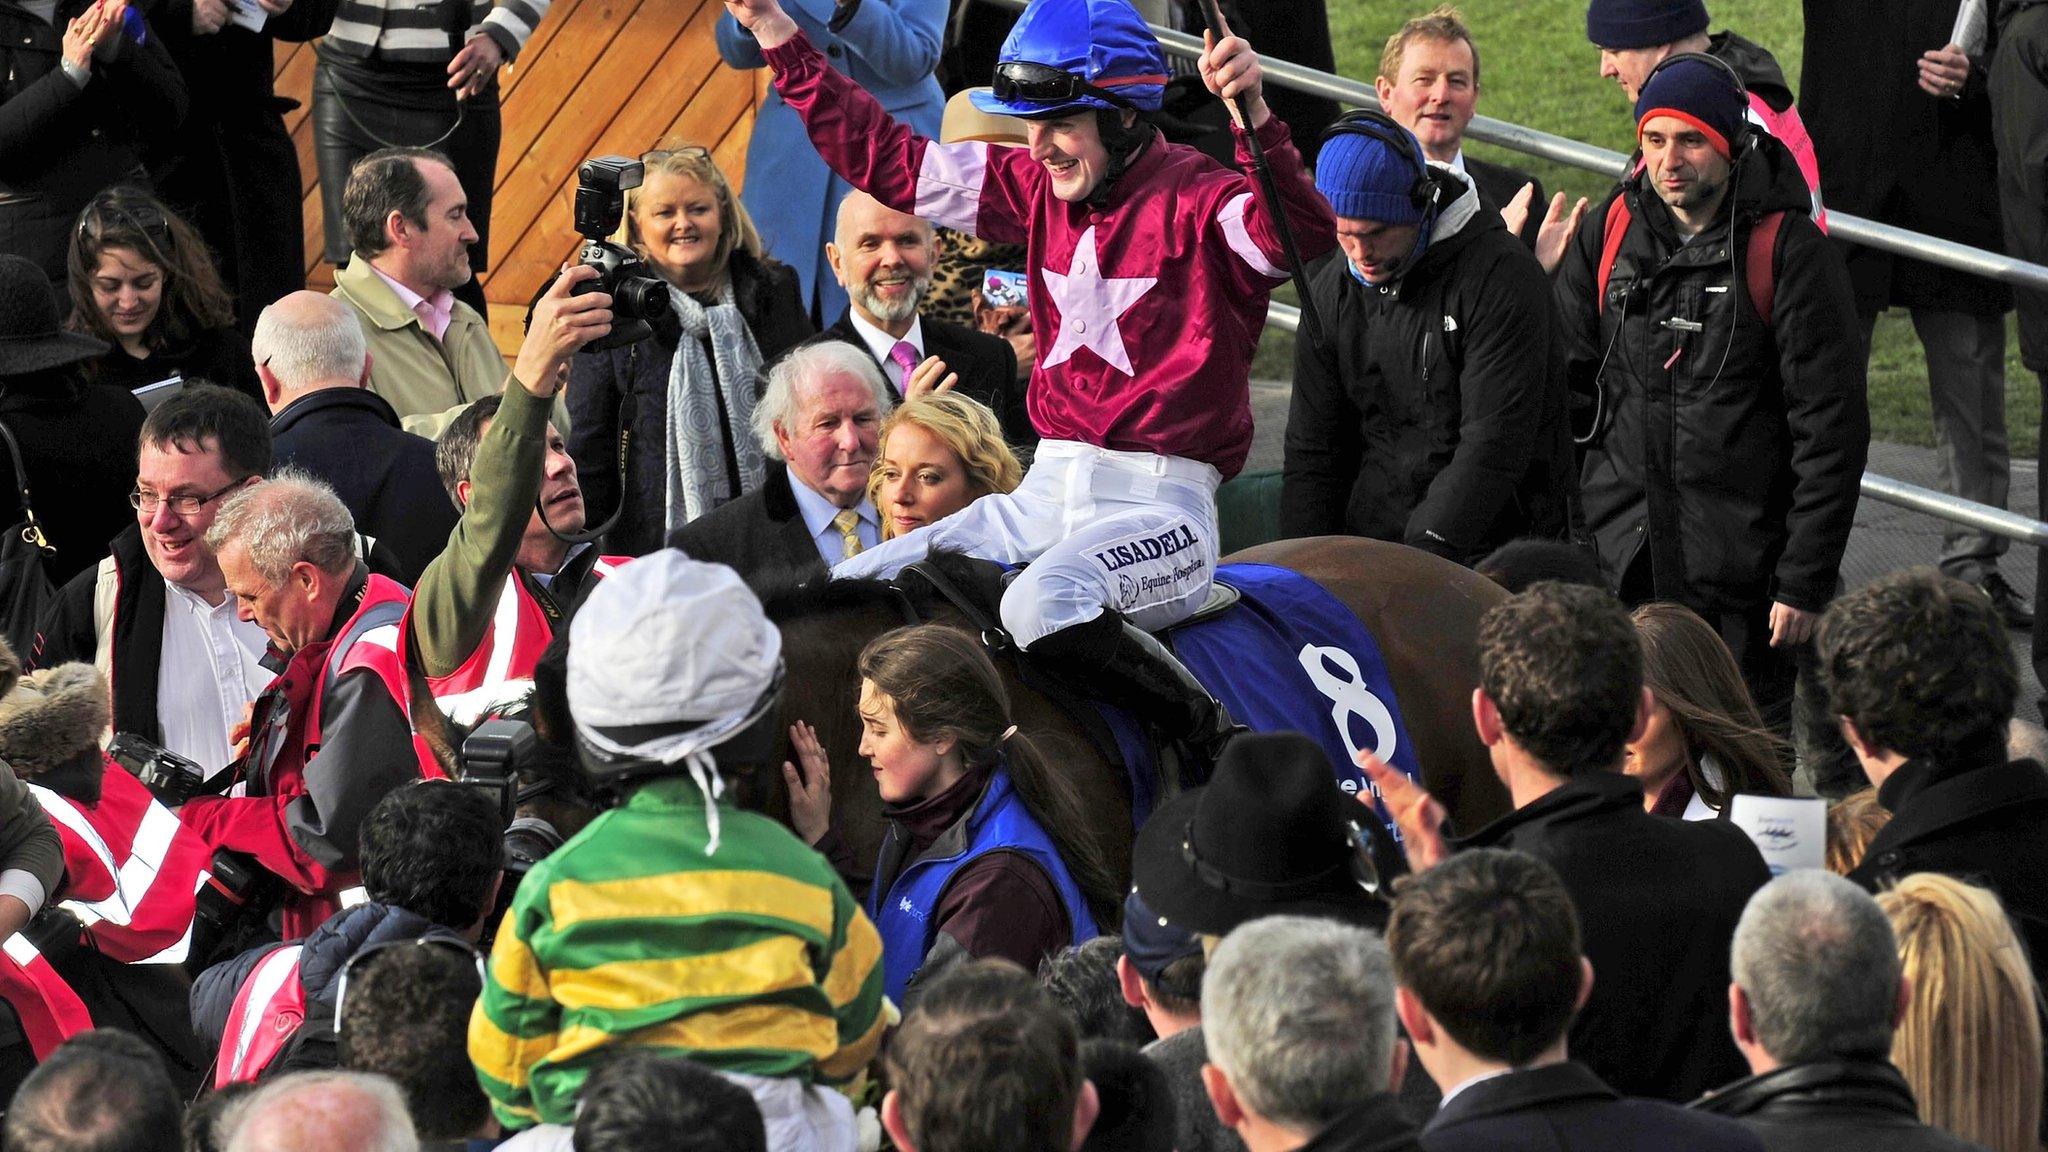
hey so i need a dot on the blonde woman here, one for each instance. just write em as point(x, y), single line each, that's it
point(939, 453)
point(1970, 1042)
point(690, 394)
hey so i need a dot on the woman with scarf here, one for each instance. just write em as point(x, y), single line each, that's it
point(1705, 741)
point(683, 405)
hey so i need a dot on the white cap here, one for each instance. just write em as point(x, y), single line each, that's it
point(667, 639)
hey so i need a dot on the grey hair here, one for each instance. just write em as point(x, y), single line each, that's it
point(303, 350)
point(290, 517)
point(806, 363)
point(1299, 1013)
point(321, 1110)
point(1816, 957)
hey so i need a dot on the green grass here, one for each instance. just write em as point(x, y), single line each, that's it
point(1537, 69)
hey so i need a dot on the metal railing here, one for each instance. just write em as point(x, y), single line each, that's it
point(1841, 225)
point(1932, 501)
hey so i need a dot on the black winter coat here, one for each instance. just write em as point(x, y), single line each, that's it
point(1732, 450)
point(231, 168)
point(1837, 1106)
point(1433, 412)
point(80, 443)
point(213, 356)
point(59, 143)
point(1566, 1108)
point(1658, 900)
point(766, 293)
point(351, 438)
point(1891, 152)
point(1983, 821)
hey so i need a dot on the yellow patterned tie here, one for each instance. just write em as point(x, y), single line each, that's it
point(848, 522)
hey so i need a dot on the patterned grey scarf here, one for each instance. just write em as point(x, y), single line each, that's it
point(696, 479)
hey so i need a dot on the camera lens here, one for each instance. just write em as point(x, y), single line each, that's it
point(640, 298)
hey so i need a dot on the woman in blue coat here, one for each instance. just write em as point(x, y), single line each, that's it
point(891, 48)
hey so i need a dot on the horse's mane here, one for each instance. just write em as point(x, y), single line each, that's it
point(787, 598)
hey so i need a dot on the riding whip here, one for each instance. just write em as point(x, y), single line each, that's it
point(1311, 322)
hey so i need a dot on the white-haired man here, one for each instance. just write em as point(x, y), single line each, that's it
point(323, 1112)
point(822, 414)
point(329, 736)
point(314, 363)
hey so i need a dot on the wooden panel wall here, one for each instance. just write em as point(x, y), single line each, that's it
point(598, 77)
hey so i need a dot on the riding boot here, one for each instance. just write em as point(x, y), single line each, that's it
point(1126, 666)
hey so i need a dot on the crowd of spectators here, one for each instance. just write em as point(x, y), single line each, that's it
point(365, 543)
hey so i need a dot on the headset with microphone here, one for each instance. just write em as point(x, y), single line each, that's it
point(1426, 193)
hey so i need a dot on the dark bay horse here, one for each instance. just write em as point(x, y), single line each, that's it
point(1423, 611)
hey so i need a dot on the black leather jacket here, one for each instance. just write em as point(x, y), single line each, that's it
point(1845, 1105)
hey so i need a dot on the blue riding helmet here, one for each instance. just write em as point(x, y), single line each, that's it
point(1067, 54)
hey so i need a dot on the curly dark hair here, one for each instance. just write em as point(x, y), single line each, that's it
point(1921, 664)
point(432, 847)
point(1562, 664)
point(407, 1017)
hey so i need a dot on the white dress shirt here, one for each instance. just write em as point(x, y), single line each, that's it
point(209, 671)
point(818, 513)
point(881, 344)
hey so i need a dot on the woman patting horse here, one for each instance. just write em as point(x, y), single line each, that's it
point(981, 857)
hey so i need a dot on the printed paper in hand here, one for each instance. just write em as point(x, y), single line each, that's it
point(1791, 833)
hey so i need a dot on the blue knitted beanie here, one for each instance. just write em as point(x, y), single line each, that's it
point(1365, 179)
point(1624, 24)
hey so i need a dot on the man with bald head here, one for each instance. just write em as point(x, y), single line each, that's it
point(884, 259)
point(315, 367)
point(323, 1112)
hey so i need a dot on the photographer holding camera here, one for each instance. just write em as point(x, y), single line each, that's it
point(488, 605)
point(333, 733)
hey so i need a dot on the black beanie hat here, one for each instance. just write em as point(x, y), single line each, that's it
point(1624, 24)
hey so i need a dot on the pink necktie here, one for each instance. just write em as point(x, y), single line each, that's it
point(905, 356)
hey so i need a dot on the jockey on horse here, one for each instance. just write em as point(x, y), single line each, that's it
point(1153, 266)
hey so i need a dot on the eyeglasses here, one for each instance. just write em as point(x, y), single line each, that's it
point(440, 939)
point(694, 151)
point(140, 216)
point(1044, 84)
point(147, 502)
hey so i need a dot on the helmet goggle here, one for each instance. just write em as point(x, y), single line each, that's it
point(1043, 84)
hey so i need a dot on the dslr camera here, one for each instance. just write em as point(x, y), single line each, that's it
point(171, 778)
point(640, 305)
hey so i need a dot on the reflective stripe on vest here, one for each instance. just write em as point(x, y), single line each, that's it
point(499, 673)
point(268, 1009)
point(49, 1011)
point(904, 915)
point(152, 866)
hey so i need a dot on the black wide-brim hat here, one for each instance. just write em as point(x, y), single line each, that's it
point(1270, 834)
point(31, 339)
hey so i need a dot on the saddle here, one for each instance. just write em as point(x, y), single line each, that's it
point(975, 588)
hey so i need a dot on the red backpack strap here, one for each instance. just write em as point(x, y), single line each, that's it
point(1759, 264)
point(1611, 236)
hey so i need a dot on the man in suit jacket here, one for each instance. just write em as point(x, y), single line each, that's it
point(822, 415)
point(1918, 667)
point(1561, 695)
point(315, 368)
point(884, 260)
point(1488, 974)
point(1429, 81)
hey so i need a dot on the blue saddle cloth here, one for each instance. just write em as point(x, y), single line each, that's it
point(1287, 657)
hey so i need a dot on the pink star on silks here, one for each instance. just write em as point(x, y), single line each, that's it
point(1089, 306)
